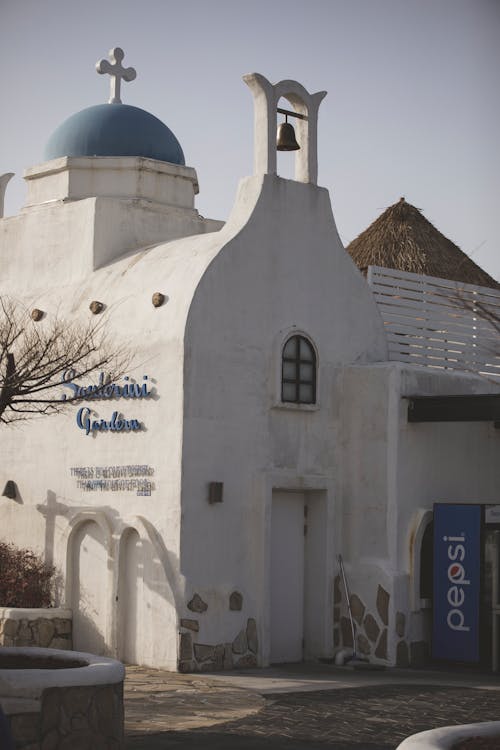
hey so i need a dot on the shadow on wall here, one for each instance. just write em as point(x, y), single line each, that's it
point(114, 568)
point(87, 636)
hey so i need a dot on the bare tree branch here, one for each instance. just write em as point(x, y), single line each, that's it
point(489, 314)
point(36, 357)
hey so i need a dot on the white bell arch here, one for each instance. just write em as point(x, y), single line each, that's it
point(266, 98)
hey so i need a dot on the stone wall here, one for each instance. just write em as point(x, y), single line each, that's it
point(200, 657)
point(239, 653)
point(371, 628)
point(72, 717)
point(32, 627)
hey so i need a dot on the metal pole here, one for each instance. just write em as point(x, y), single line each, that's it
point(348, 597)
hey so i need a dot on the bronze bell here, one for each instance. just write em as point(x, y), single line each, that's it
point(285, 139)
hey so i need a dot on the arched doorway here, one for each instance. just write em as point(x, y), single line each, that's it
point(88, 590)
point(130, 597)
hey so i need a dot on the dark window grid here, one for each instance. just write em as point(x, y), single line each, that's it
point(297, 381)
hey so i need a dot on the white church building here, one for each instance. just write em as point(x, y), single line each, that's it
point(267, 422)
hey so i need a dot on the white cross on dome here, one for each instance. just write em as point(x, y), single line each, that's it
point(116, 71)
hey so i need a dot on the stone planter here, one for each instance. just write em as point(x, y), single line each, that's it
point(445, 737)
point(46, 628)
point(62, 699)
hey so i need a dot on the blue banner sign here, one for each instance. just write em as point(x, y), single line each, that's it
point(457, 556)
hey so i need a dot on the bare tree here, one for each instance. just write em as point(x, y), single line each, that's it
point(486, 312)
point(480, 316)
point(34, 357)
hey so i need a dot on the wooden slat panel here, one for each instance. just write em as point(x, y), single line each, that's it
point(424, 319)
point(439, 322)
point(468, 305)
point(444, 364)
point(436, 353)
point(447, 338)
point(432, 281)
point(428, 322)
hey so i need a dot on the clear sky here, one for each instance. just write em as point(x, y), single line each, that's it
point(413, 105)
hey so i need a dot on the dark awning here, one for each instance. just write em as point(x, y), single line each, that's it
point(480, 408)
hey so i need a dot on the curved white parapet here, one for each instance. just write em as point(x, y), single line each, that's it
point(4, 179)
point(25, 613)
point(29, 683)
point(444, 737)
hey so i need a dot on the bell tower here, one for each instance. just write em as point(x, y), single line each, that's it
point(266, 98)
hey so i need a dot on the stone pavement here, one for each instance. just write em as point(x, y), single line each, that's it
point(299, 706)
point(159, 701)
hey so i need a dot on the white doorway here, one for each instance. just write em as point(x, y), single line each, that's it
point(300, 591)
point(287, 576)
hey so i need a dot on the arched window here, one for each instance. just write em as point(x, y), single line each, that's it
point(298, 371)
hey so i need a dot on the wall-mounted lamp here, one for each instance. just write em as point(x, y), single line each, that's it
point(215, 492)
point(10, 490)
point(285, 138)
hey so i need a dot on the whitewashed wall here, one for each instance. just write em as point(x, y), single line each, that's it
point(284, 272)
point(393, 474)
point(48, 255)
point(279, 268)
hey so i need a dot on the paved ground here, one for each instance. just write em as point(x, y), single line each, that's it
point(298, 707)
point(159, 701)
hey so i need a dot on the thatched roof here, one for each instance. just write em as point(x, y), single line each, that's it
point(403, 239)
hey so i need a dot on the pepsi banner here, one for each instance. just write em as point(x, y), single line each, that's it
point(457, 563)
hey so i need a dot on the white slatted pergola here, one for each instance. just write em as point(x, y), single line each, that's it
point(438, 323)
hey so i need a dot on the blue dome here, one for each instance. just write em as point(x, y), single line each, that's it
point(114, 130)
